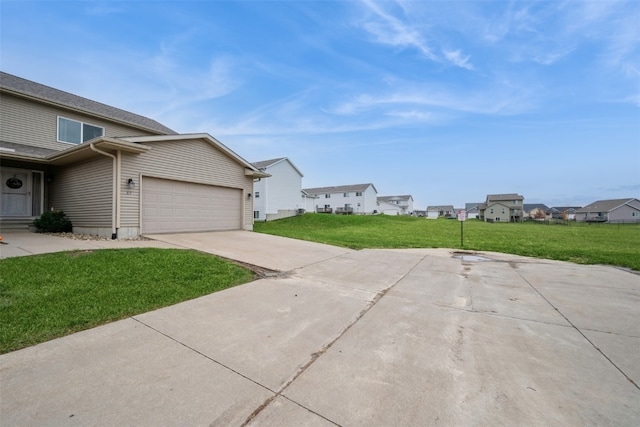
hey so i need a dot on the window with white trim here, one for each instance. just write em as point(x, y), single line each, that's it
point(76, 132)
point(327, 196)
point(358, 193)
point(257, 194)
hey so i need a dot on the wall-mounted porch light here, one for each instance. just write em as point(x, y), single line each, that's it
point(131, 184)
point(248, 195)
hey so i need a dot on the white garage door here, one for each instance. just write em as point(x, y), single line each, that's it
point(174, 206)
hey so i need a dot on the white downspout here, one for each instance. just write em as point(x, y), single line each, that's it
point(114, 230)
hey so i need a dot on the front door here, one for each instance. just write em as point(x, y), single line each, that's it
point(16, 192)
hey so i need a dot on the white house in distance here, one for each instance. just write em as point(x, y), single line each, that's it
point(445, 211)
point(472, 209)
point(387, 208)
point(355, 199)
point(395, 205)
point(278, 196)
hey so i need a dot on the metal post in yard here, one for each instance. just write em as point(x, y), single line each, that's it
point(462, 215)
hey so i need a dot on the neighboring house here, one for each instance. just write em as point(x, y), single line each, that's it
point(404, 203)
point(387, 208)
point(420, 214)
point(278, 196)
point(443, 211)
point(348, 199)
point(308, 201)
point(113, 173)
point(615, 210)
point(564, 212)
point(472, 210)
point(501, 208)
point(537, 211)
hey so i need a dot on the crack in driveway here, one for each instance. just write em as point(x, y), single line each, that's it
point(316, 355)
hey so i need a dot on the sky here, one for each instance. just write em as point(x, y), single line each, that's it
point(447, 101)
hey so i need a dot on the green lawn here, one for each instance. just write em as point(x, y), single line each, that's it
point(581, 243)
point(47, 296)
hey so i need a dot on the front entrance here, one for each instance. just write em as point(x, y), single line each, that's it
point(22, 193)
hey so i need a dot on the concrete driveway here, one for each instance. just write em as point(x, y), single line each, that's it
point(340, 337)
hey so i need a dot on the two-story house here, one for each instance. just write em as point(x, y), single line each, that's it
point(278, 196)
point(403, 204)
point(114, 173)
point(345, 199)
point(501, 208)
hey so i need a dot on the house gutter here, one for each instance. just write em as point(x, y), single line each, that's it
point(115, 192)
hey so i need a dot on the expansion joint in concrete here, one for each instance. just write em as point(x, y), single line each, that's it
point(578, 330)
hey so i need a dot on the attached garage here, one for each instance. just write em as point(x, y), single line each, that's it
point(170, 206)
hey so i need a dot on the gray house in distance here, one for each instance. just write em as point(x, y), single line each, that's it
point(502, 208)
point(114, 173)
point(614, 210)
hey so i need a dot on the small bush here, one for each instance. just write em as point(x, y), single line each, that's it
point(52, 222)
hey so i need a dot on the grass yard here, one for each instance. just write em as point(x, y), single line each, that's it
point(47, 296)
point(585, 244)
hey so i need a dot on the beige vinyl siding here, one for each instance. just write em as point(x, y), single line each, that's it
point(17, 123)
point(194, 161)
point(84, 192)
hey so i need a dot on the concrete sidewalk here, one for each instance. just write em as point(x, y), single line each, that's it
point(24, 243)
point(372, 337)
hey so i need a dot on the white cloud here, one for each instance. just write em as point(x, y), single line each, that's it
point(456, 58)
point(392, 31)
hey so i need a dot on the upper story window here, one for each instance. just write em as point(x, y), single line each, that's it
point(327, 196)
point(345, 194)
point(257, 194)
point(358, 193)
point(75, 132)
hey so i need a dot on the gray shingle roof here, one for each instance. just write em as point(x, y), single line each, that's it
point(508, 196)
point(394, 198)
point(441, 208)
point(266, 163)
point(23, 87)
point(565, 208)
point(528, 207)
point(26, 149)
point(339, 189)
point(604, 205)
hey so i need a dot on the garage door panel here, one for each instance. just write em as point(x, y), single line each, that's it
point(173, 206)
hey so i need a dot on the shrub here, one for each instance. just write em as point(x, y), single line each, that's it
point(52, 222)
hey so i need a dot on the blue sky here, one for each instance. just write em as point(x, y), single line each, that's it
point(446, 101)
